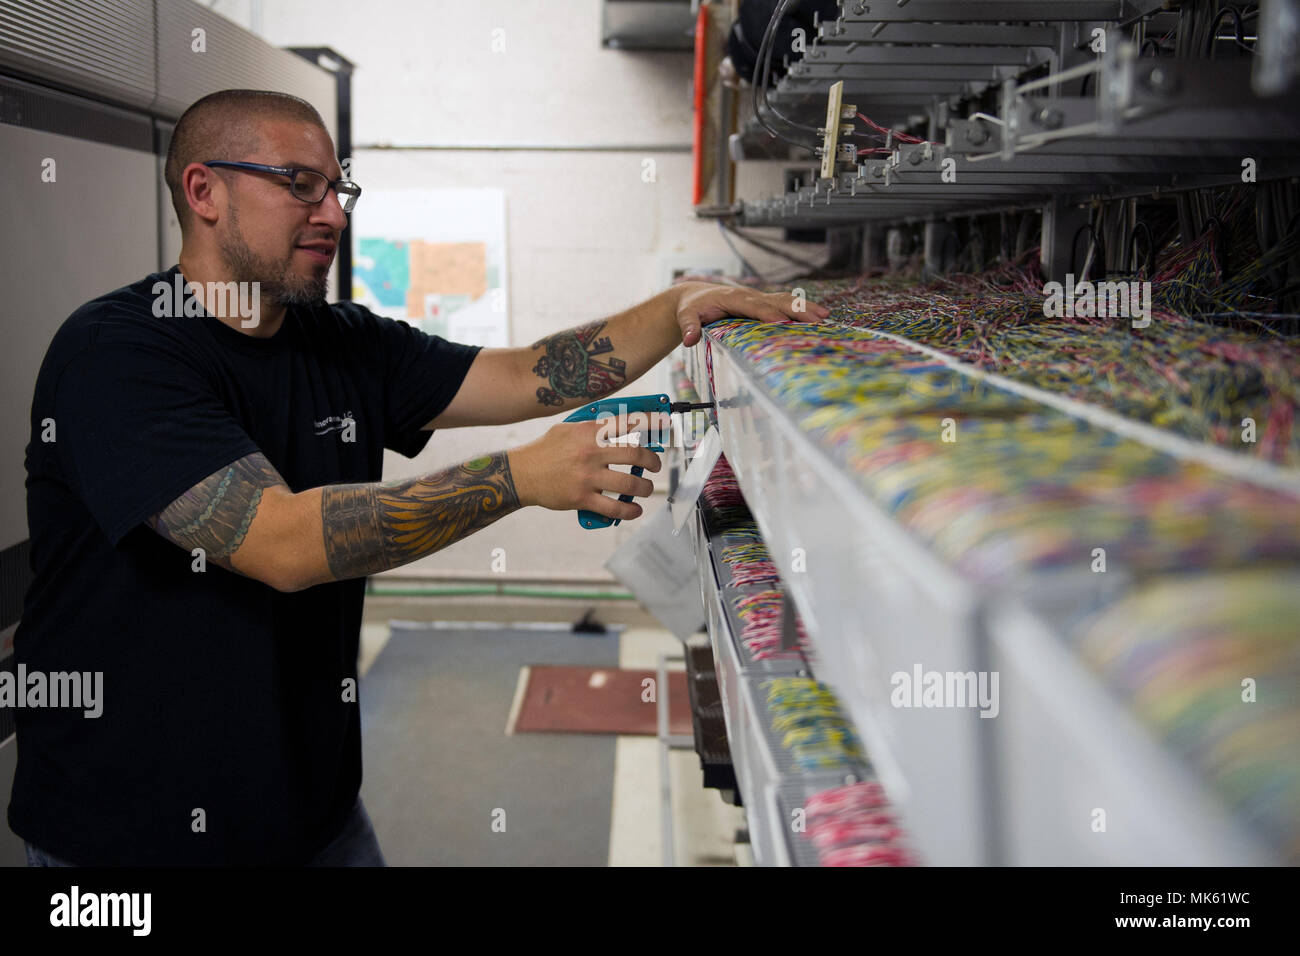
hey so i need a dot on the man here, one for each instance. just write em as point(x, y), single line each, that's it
point(204, 504)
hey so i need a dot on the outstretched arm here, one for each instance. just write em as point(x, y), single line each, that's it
point(247, 520)
point(579, 365)
point(367, 528)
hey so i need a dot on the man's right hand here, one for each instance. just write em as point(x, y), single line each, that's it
point(568, 468)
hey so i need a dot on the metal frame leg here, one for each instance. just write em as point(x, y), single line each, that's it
point(667, 742)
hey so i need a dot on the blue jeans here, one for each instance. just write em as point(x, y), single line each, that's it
point(356, 845)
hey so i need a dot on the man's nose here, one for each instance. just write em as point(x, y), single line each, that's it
point(329, 211)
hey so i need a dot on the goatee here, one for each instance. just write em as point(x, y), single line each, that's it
point(276, 280)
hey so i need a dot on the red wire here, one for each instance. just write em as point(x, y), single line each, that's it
point(901, 137)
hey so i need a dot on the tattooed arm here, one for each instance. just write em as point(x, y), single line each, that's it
point(579, 365)
point(567, 369)
point(246, 520)
point(372, 528)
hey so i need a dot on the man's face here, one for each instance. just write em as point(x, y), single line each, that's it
point(268, 236)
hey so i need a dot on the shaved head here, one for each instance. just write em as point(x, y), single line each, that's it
point(226, 125)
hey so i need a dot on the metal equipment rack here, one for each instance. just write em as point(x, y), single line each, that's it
point(875, 600)
point(1042, 105)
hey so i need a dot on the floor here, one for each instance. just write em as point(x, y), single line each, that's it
point(704, 826)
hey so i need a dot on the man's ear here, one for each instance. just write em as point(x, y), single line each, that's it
point(201, 184)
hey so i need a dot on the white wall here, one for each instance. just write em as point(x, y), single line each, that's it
point(586, 236)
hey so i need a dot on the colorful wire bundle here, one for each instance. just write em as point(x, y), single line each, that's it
point(721, 489)
point(814, 730)
point(761, 614)
point(853, 825)
point(750, 564)
point(1024, 488)
point(1212, 664)
point(1019, 486)
point(1198, 378)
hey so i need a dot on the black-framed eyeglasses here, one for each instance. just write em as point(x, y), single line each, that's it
point(305, 184)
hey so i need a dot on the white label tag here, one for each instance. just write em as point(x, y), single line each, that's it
point(659, 567)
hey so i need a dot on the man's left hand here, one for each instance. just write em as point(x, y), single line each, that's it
point(700, 303)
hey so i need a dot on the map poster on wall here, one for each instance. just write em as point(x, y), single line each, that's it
point(435, 258)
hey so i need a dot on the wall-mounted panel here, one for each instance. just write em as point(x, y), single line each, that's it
point(103, 48)
point(230, 56)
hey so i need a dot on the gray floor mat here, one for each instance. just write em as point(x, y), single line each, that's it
point(437, 763)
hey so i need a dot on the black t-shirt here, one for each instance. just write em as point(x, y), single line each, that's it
point(225, 735)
